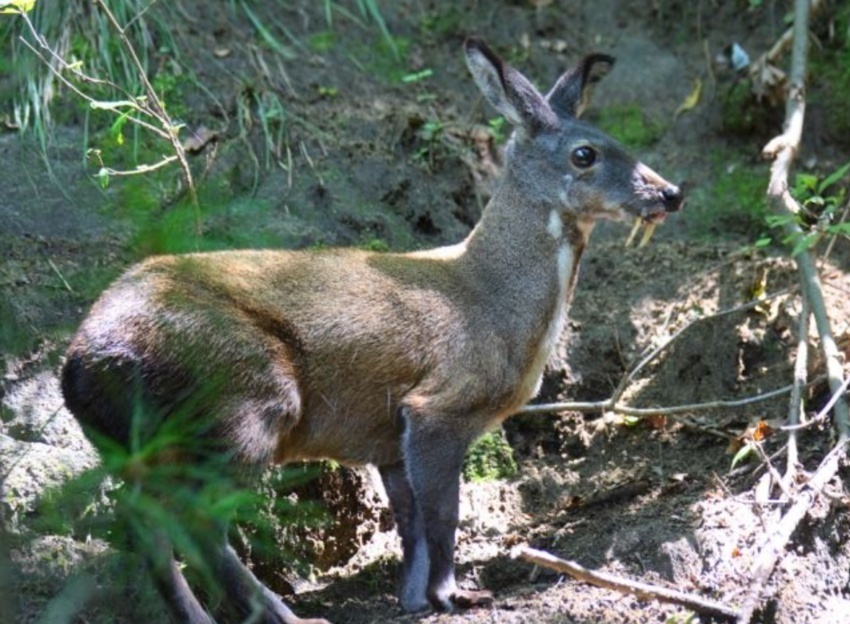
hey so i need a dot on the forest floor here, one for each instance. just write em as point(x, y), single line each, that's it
point(339, 142)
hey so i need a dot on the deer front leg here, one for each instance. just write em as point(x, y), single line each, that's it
point(411, 529)
point(433, 458)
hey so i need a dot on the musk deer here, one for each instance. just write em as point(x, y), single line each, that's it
point(396, 359)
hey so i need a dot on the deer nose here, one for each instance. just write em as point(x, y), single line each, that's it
point(671, 195)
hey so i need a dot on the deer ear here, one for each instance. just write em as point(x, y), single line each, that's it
point(571, 93)
point(507, 90)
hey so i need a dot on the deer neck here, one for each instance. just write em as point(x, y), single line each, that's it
point(524, 259)
point(526, 247)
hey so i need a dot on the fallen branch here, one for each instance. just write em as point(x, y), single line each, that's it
point(795, 404)
point(611, 404)
point(778, 539)
point(608, 405)
point(749, 305)
point(644, 591)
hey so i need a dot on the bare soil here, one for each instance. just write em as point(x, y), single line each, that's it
point(356, 163)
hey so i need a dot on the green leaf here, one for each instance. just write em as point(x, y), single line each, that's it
point(744, 452)
point(806, 242)
point(839, 228)
point(421, 75)
point(834, 177)
point(805, 183)
point(103, 177)
point(17, 6)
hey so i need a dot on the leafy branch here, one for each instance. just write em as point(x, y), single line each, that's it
point(146, 110)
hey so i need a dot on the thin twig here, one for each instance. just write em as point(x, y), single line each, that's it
point(822, 415)
point(624, 382)
point(795, 404)
point(609, 405)
point(776, 542)
point(145, 168)
point(61, 277)
point(644, 591)
point(114, 107)
point(158, 111)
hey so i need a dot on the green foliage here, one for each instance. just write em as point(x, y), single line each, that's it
point(323, 41)
point(375, 244)
point(266, 35)
point(369, 8)
point(498, 127)
point(383, 61)
point(820, 199)
point(745, 453)
point(734, 202)
point(443, 21)
point(490, 457)
point(76, 31)
point(630, 125)
point(417, 76)
point(150, 496)
point(393, 49)
point(428, 135)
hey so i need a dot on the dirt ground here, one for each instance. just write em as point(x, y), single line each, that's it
point(358, 156)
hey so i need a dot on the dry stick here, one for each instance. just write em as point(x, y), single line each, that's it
point(775, 543)
point(795, 403)
point(783, 149)
point(824, 412)
point(611, 404)
point(644, 591)
point(621, 388)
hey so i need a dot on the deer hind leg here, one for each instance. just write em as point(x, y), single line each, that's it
point(433, 458)
point(249, 420)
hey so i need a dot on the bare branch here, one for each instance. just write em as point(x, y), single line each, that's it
point(609, 405)
point(776, 541)
point(749, 305)
point(645, 591)
point(783, 149)
point(166, 160)
point(158, 111)
point(795, 402)
point(114, 107)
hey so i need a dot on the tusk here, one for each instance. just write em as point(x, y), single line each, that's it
point(634, 232)
point(647, 234)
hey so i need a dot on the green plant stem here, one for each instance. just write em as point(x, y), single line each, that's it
point(783, 149)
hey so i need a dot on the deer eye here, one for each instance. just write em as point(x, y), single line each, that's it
point(583, 157)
